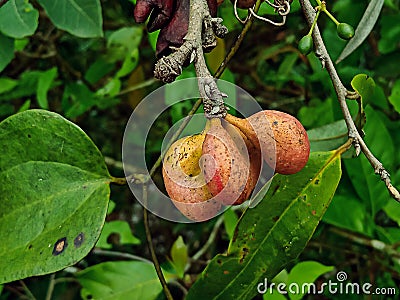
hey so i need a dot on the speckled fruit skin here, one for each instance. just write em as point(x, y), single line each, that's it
point(225, 169)
point(289, 140)
point(254, 155)
point(184, 181)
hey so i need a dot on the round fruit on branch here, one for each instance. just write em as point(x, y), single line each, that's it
point(225, 168)
point(218, 167)
point(289, 138)
point(184, 181)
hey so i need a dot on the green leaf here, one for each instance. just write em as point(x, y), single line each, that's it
point(364, 85)
point(18, 19)
point(6, 51)
point(392, 209)
point(54, 194)
point(111, 207)
point(230, 221)
point(179, 256)
point(77, 99)
point(27, 86)
point(134, 280)
point(118, 227)
point(80, 18)
point(7, 84)
point(317, 113)
point(152, 37)
point(348, 212)
point(363, 29)
point(305, 272)
point(25, 106)
point(274, 295)
point(273, 233)
point(390, 34)
point(394, 97)
point(112, 88)
point(328, 137)
point(45, 81)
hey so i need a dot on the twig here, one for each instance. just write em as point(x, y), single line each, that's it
point(210, 240)
point(50, 289)
point(27, 290)
point(98, 251)
point(151, 247)
point(372, 243)
point(342, 93)
point(137, 86)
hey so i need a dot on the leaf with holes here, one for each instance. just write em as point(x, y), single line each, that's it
point(273, 233)
point(54, 194)
point(81, 18)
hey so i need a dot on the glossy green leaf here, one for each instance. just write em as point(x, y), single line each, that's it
point(6, 51)
point(7, 84)
point(54, 194)
point(18, 19)
point(117, 227)
point(363, 29)
point(328, 137)
point(273, 233)
point(81, 18)
point(119, 281)
point(305, 272)
point(274, 295)
point(394, 97)
point(179, 256)
point(45, 81)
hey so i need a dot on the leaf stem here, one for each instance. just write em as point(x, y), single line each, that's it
point(314, 22)
point(323, 8)
point(118, 180)
point(123, 255)
point(27, 290)
point(50, 289)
